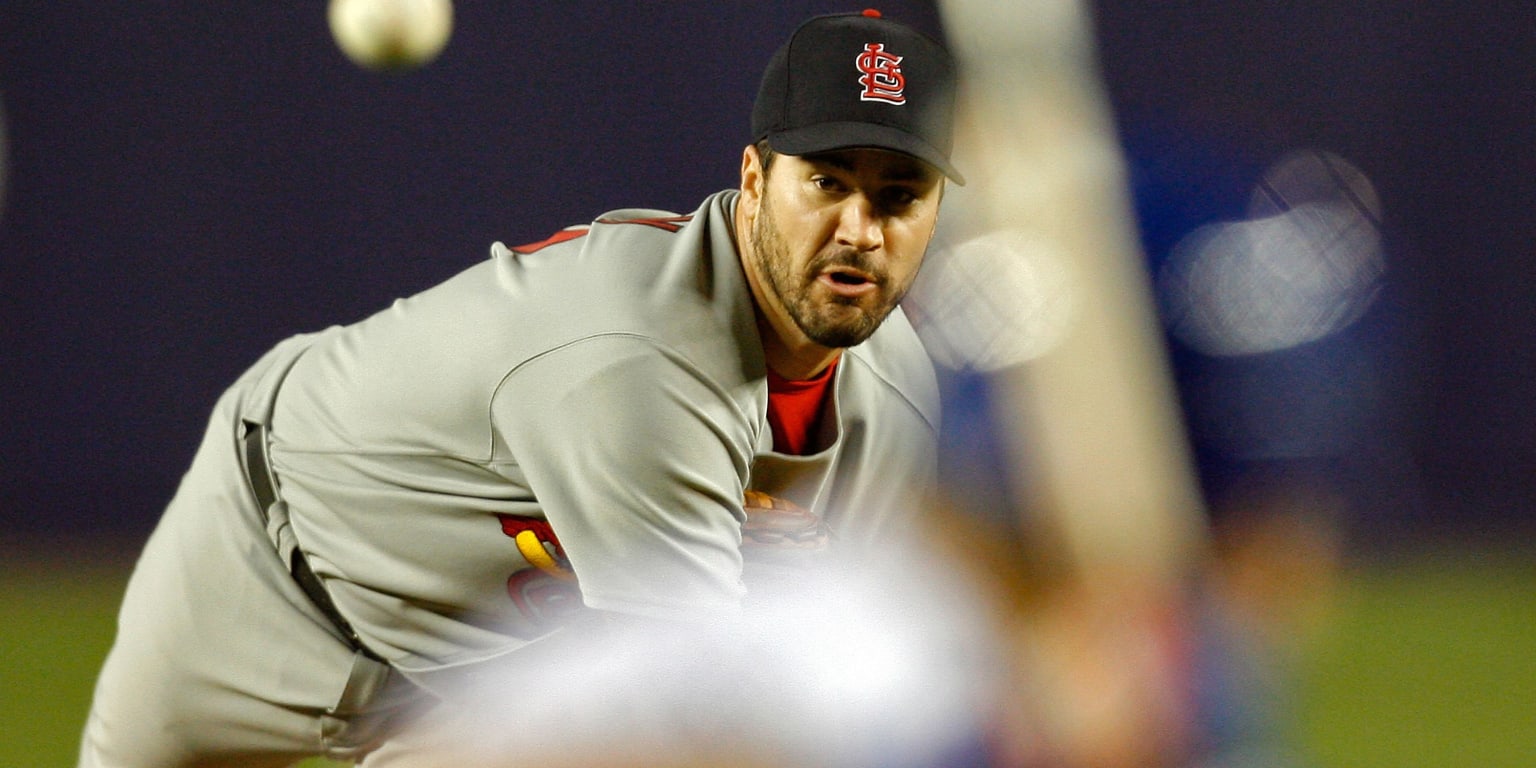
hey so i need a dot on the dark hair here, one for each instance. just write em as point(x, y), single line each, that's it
point(765, 154)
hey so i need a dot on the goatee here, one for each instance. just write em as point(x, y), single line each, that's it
point(835, 322)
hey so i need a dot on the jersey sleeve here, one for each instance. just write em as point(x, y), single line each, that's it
point(638, 460)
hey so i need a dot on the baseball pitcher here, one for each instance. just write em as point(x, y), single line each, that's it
point(638, 419)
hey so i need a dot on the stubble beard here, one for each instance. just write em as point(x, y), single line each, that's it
point(836, 322)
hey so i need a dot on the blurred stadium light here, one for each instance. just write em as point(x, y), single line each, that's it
point(1307, 262)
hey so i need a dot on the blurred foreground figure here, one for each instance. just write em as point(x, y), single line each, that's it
point(890, 660)
point(576, 445)
point(1097, 478)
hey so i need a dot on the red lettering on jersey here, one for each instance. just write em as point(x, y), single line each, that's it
point(512, 525)
point(543, 600)
point(881, 75)
point(545, 591)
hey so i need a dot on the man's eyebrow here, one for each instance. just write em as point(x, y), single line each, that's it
point(914, 170)
point(837, 160)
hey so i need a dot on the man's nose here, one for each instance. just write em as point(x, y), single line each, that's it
point(858, 225)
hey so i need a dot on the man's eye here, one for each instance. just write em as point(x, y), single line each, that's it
point(826, 183)
point(899, 197)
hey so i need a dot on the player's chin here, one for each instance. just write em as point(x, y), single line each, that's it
point(844, 325)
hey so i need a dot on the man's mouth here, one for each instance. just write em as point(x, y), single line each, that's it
point(848, 282)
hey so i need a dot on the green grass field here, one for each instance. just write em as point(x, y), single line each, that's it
point(1430, 661)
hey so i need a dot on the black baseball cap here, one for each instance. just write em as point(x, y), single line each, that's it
point(857, 80)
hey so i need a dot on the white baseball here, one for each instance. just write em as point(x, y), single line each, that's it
point(391, 34)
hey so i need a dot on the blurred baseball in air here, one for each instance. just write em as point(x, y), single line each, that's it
point(391, 34)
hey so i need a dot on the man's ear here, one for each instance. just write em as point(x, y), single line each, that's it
point(752, 179)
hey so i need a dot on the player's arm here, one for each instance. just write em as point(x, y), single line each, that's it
point(639, 461)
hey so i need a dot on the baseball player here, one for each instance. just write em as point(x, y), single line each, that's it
point(639, 418)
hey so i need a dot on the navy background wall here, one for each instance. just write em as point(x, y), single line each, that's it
point(187, 183)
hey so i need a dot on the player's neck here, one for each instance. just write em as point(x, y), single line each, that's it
point(795, 360)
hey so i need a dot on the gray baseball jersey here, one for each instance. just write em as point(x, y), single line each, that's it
point(566, 423)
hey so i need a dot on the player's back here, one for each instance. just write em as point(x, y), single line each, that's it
point(388, 436)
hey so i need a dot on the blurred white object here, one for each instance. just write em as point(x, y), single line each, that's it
point(391, 34)
point(1305, 265)
point(993, 301)
point(891, 661)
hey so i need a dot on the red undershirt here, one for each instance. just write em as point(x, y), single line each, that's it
point(793, 408)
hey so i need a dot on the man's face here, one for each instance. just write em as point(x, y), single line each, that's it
point(838, 239)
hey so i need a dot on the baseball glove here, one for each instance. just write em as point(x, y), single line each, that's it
point(777, 523)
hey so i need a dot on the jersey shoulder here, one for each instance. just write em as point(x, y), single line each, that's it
point(644, 218)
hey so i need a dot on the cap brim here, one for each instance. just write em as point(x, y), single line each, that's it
point(826, 137)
